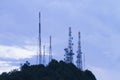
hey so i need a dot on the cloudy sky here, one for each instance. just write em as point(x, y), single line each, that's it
point(97, 20)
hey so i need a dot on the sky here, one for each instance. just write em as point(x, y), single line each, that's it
point(97, 20)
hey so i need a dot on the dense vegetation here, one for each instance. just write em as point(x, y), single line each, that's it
point(54, 71)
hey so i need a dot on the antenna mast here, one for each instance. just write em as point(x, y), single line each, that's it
point(69, 51)
point(44, 55)
point(79, 55)
point(50, 50)
point(40, 54)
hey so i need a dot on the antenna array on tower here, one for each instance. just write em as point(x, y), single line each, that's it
point(79, 54)
point(69, 51)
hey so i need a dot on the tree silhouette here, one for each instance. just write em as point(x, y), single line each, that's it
point(53, 71)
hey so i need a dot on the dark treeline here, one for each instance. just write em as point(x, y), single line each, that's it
point(53, 71)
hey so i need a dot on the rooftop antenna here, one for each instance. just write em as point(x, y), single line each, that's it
point(40, 54)
point(50, 50)
point(79, 54)
point(69, 51)
point(44, 62)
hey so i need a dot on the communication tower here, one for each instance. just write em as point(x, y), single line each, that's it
point(50, 50)
point(79, 54)
point(69, 51)
point(39, 54)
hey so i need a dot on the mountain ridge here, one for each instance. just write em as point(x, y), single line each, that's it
point(53, 71)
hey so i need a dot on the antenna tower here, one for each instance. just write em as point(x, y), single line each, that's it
point(69, 51)
point(40, 54)
point(50, 50)
point(44, 55)
point(79, 55)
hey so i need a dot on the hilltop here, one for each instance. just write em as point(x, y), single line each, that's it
point(53, 71)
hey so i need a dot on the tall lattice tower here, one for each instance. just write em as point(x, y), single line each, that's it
point(50, 49)
point(69, 51)
point(39, 54)
point(79, 54)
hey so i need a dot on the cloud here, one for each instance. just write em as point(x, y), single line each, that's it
point(6, 67)
point(12, 56)
point(16, 52)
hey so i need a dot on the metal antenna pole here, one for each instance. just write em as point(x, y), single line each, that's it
point(79, 55)
point(50, 50)
point(40, 54)
point(44, 60)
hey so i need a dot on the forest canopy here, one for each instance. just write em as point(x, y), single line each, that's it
point(53, 71)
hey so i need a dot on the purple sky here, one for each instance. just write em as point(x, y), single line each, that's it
point(98, 22)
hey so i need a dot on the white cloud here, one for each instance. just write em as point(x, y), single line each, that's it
point(16, 52)
point(6, 67)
